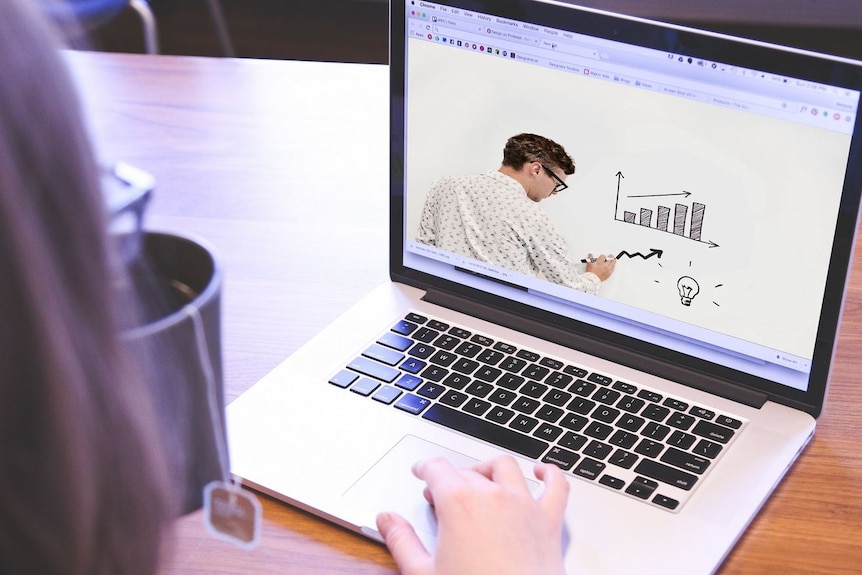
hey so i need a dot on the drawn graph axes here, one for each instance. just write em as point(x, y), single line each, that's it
point(675, 225)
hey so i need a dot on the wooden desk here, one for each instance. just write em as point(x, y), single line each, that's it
point(268, 161)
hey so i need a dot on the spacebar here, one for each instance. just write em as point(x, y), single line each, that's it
point(485, 430)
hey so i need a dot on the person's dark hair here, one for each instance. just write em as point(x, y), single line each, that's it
point(83, 488)
point(525, 148)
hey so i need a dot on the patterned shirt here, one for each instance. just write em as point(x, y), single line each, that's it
point(489, 217)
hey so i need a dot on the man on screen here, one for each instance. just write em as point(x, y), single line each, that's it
point(495, 217)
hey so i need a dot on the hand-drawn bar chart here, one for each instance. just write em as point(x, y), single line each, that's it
point(679, 219)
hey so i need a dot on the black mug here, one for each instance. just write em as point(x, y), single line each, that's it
point(178, 282)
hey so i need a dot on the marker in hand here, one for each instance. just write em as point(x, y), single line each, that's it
point(594, 260)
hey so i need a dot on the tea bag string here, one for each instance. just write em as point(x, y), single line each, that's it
point(216, 420)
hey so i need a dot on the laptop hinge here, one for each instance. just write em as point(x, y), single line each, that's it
point(599, 348)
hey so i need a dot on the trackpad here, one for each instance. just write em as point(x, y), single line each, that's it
point(391, 486)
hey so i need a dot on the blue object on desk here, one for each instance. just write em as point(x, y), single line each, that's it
point(87, 15)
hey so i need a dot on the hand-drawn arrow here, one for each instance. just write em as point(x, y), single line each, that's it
point(683, 193)
point(653, 252)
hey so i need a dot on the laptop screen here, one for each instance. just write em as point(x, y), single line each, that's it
point(724, 177)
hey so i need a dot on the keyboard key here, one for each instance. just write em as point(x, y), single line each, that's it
point(431, 390)
point(630, 422)
point(590, 468)
point(533, 389)
point(505, 347)
point(413, 365)
point(460, 332)
point(476, 406)
point(581, 405)
point(680, 420)
point(510, 381)
point(557, 397)
point(681, 439)
point(575, 371)
point(559, 380)
point(443, 358)
point(434, 373)
point(623, 439)
point(536, 372)
point(373, 369)
point(728, 422)
point(422, 350)
point(404, 327)
point(707, 449)
point(486, 431)
point(598, 430)
point(573, 421)
point(343, 378)
point(649, 448)
point(482, 340)
point(598, 450)
point(415, 317)
point(630, 404)
point(524, 423)
point(549, 413)
point(599, 378)
point(528, 355)
point(500, 415)
point(412, 403)
point(606, 414)
point(490, 357)
point(551, 363)
point(387, 394)
point(512, 364)
point(650, 395)
point(456, 381)
point(584, 388)
point(502, 396)
point(525, 405)
point(425, 335)
point(408, 382)
point(665, 501)
point(447, 342)
point(547, 432)
point(438, 325)
point(686, 461)
point(453, 398)
point(642, 488)
point(675, 404)
point(606, 396)
point(612, 481)
point(624, 459)
point(468, 349)
point(712, 431)
point(624, 387)
point(572, 441)
point(702, 412)
point(666, 474)
point(562, 458)
point(655, 431)
point(655, 412)
point(479, 388)
point(395, 341)
point(488, 374)
point(465, 366)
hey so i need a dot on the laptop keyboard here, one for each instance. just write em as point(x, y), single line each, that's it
point(617, 434)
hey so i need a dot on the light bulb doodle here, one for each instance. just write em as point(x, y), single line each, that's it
point(688, 289)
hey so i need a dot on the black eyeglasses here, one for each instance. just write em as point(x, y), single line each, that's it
point(561, 185)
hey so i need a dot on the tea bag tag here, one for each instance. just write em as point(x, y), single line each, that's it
point(232, 514)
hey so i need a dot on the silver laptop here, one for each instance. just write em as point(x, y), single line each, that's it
point(724, 176)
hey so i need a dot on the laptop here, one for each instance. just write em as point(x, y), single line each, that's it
point(724, 176)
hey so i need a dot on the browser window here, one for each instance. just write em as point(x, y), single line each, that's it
point(717, 186)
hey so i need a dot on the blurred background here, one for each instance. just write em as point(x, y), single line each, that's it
point(357, 30)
